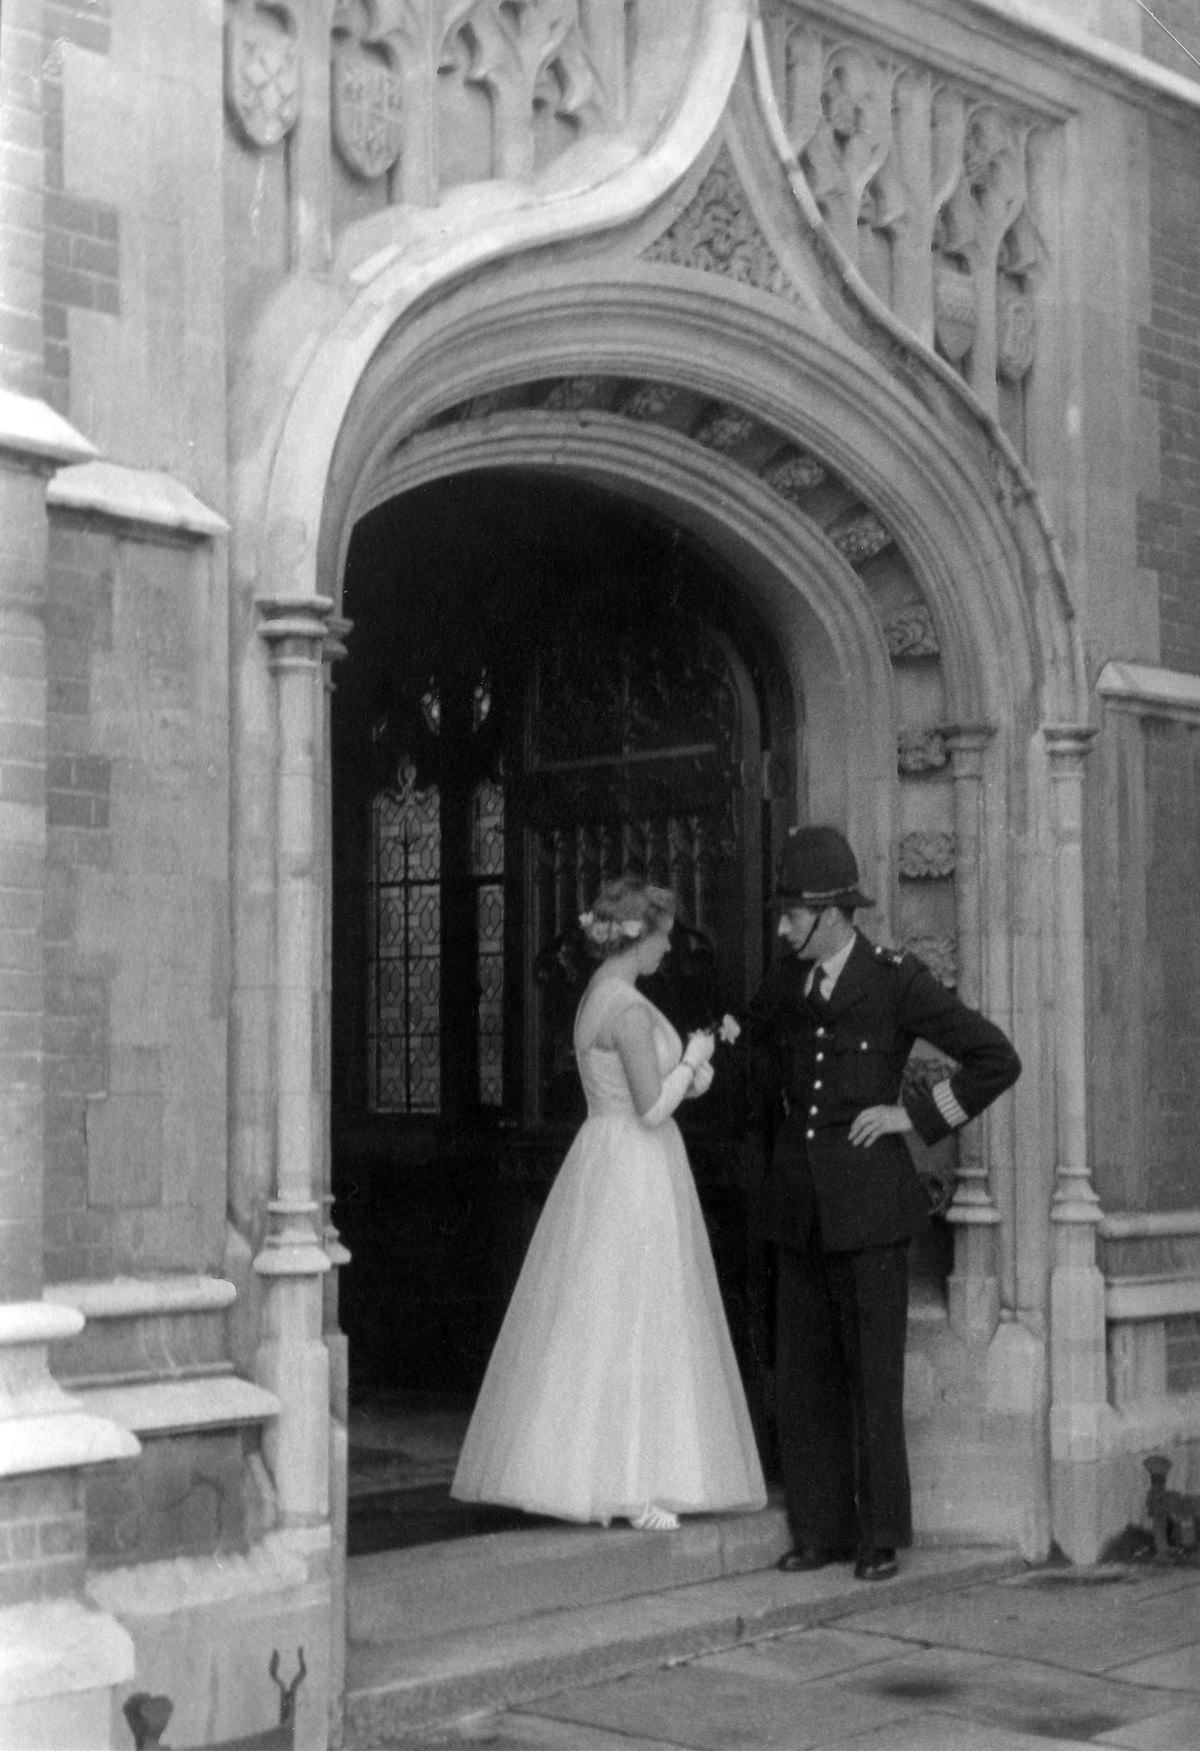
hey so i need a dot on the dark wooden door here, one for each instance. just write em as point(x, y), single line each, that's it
point(482, 790)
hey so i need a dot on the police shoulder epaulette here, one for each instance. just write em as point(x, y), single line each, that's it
point(891, 957)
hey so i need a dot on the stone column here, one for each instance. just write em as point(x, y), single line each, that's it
point(973, 1289)
point(1078, 1370)
point(292, 1359)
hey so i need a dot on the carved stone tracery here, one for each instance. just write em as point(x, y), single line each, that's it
point(937, 174)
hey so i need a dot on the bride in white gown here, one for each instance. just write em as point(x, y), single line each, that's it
point(613, 1390)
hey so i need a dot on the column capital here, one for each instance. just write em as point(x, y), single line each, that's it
point(1067, 745)
point(290, 620)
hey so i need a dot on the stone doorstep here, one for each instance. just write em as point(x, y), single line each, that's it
point(398, 1689)
point(463, 1584)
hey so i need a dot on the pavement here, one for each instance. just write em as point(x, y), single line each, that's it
point(943, 1659)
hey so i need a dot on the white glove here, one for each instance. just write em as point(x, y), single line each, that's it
point(699, 1049)
point(675, 1086)
point(702, 1081)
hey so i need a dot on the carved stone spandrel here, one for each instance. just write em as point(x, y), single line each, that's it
point(717, 233)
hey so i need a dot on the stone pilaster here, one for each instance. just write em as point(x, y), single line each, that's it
point(973, 1289)
point(292, 1359)
point(1078, 1371)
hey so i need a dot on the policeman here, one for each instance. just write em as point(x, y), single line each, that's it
point(828, 1036)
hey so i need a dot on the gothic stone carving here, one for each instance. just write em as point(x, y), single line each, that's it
point(926, 856)
point(859, 536)
point(718, 234)
point(262, 69)
point(527, 54)
point(725, 429)
point(938, 172)
point(794, 475)
point(910, 632)
point(366, 96)
point(921, 750)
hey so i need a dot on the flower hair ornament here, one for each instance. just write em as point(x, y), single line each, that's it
point(604, 932)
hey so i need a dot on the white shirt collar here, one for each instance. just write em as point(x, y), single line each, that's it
point(829, 971)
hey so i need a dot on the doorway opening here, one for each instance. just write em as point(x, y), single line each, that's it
point(546, 683)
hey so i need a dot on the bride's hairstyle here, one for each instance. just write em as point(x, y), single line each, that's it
point(624, 911)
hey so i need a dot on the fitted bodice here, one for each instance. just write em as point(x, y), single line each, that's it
point(600, 1069)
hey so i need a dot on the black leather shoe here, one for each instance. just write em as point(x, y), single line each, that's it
point(876, 1565)
point(803, 1557)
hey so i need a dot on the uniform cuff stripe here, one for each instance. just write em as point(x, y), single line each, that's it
point(946, 1104)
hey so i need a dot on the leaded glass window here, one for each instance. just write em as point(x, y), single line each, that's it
point(487, 858)
point(405, 974)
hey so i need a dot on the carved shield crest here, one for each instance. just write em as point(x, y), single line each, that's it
point(262, 71)
point(367, 111)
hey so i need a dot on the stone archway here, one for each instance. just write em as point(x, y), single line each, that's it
point(804, 462)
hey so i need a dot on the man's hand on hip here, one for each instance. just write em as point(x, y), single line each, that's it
point(875, 1122)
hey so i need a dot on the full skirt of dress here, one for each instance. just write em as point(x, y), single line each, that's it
point(613, 1381)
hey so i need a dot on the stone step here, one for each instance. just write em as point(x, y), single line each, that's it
point(401, 1595)
point(398, 1691)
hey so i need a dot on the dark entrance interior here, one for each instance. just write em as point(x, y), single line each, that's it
point(545, 683)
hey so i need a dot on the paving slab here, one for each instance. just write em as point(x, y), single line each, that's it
point(1176, 1730)
point(401, 1688)
point(765, 1696)
point(1086, 1624)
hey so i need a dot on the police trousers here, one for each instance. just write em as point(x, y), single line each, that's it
point(842, 1320)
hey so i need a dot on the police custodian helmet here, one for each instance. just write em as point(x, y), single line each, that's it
point(817, 869)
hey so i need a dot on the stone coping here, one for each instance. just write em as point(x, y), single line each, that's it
point(1148, 1224)
point(167, 1407)
point(33, 430)
point(131, 1297)
point(37, 1322)
point(59, 1435)
point(55, 1647)
point(1151, 1297)
point(1146, 687)
point(1046, 21)
point(144, 498)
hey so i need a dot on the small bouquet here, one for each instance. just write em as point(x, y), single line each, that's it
point(726, 1030)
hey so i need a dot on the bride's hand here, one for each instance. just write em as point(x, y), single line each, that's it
point(702, 1079)
point(699, 1049)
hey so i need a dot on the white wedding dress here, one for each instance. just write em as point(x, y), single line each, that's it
point(613, 1382)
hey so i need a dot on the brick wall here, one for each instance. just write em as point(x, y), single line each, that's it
point(42, 1536)
point(1183, 1353)
point(1172, 964)
point(81, 245)
point(1169, 522)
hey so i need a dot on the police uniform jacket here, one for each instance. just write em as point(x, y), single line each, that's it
point(820, 1062)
